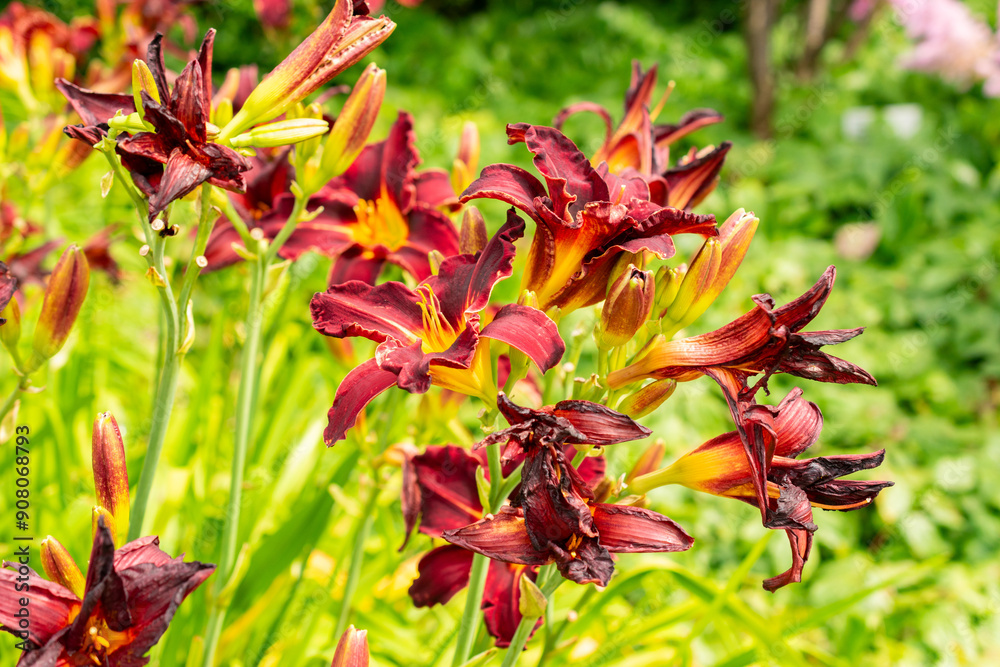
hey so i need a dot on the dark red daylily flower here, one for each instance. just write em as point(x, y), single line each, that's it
point(380, 211)
point(430, 334)
point(794, 487)
point(130, 597)
point(586, 218)
point(439, 486)
point(178, 157)
point(638, 147)
point(553, 516)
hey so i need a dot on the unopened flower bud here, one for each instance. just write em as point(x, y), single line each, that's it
point(60, 567)
point(533, 602)
point(354, 123)
point(339, 42)
point(640, 403)
point(668, 282)
point(281, 133)
point(629, 303)
point(463, 170)
point(697, 281)
point(472, 237)
point(352, 649)
point(142, 80)
point(110, 472)
point(649, 460)
point(64, 297)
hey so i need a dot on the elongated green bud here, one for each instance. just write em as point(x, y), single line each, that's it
point(354, 123)
point(281, 133)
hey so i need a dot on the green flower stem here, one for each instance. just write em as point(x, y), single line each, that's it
point(244, 415)
point(163, 403)
point(365, 522)
point(8, 404)
point(548, 580)
point(480, 564)
point(192, 271)
point(289, 227)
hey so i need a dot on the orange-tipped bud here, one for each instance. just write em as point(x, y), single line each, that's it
point(640, 403)
point(110, 472)
point(629, 303)
point(472, 237)
point(649, 460)
point(339, 42)
point(668, 282)
point(60, 567)
point(99, 513)
point(463, 170)
point(352, 649)
point(354, 123)
point(64, 296)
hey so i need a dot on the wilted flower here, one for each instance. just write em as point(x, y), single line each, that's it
point(431, 334)
point(554, 517)
point(587, 218)
point(794, 487)
point(129, 599)
point(640, 148)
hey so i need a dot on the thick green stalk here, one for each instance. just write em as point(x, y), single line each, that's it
point(244, 417)
point(163, 403)
point(357, 557)
point(548, 581)
point(477, 576)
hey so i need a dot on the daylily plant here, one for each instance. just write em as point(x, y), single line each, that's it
point(554, 517)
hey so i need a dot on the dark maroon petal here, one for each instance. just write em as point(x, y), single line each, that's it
point(356, 263)
point(143, 145)
point(599, 424)
point(530, 331)
point(589, 563)
point(509, 184)
point(399, 157)
point(379, 313)
point(799, 312)
point(690, 183)
point(357, 390)
point(845, 494)
point(8, 285)
point(431, 230)
point(672, 221)
point(626, 529)
point(797, 424)
point(188, 102)
point(205, 63)
point(104, 590)
point(591, 470)
point(433, 189)
point(154, 60)
point(804, 359)
point(819, 479)
point(444, 571)
point(50, 606)
point(154, 593)
point(464, 282)
point(664, 135)
point(627, 188)
point(181, 175)
point(502, 537)
point(225, 165)
point(572, 182)
point(364, 176)
point(446, 480)
point(95, 108)
point(501, 600)
point(801, 542)
point(412, 364)
point(88, 134)
point(145, 550)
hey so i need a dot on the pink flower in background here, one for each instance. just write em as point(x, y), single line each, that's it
point(951, 42)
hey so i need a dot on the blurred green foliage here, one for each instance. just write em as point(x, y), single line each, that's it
point(911, 221)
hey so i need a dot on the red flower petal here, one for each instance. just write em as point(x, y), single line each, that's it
point(444, 571)
point(446, 480)
point(379, 313)
point(357, 390)
point(433, 189)
point(626, 529)
point(530, 331)
point(509, 184)
point(501, 601)
point(51, 606)
point(502, 538)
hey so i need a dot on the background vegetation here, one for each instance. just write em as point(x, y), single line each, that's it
point(909, 218)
